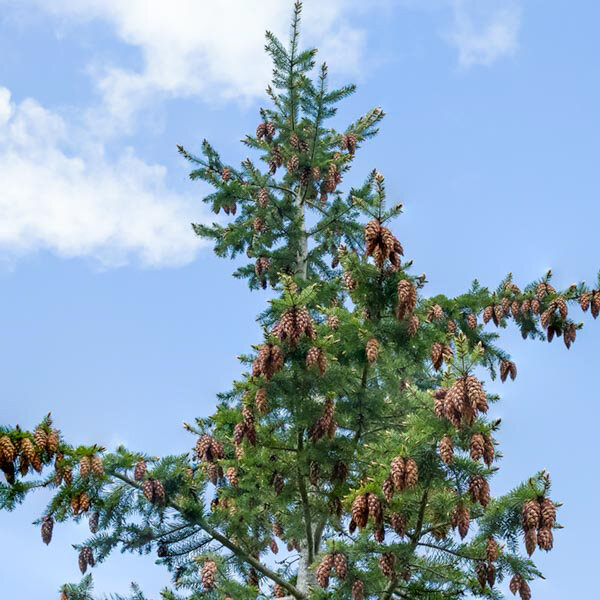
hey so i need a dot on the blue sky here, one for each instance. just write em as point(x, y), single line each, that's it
point(118, 321)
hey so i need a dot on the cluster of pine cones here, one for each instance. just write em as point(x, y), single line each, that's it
point(329, 561)
point(154, 491)
point(91, 465)
point(404, 475)
point(261, 267)
point(462, 401)
point(539, 518)
point(316, 357)
point(24, 453)
point(80, 504)
point(293, 324)
point(86, 558)
point(268, 362)
point(382, 245)
point(326, 424)
point(439, 353)
point(519, 584)
point(405, 306)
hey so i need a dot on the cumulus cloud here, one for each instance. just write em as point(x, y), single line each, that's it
point(59, 192)
point(484, 31)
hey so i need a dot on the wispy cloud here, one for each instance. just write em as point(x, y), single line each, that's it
point(484, 31)
point(59, 192)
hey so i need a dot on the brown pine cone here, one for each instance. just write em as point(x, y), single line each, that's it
point(352, 526)
point(349, 281)
point(333, 322)
point(447, 450)
point(232, 476)
point(545, 539)
point(360, 511)
point(488, 313)
point(515, 584)
point(375, 508)
point(358, 590)
point(82, 563)
point(93, 522)
point(531, 514)
point(472, 320)
point(339, 471)
point(140, 470)
point(407, 299)
point(397, 472)
point(273, 546)
point(238, 433)
point(481, 571)
point(491, 575)
point(451, 327)
point(341, 565)
point(209, 573)
point(263, 197)
point(8, 452)
point(262, 400)
point(399, 524)
point(387, 562)
point(85, 466)
point(53, 442)
point(88, 554)
point(530, 541)
point(477, 446)
point(411, 474)
point(270, 130)
point(491, 550)
point(148, 489)
point(47, 526)
point(488, 450)
point(525, 591)
point(40, 439)
point(413, 325)
point(372, 350)
point(67, 474)
point(462, 519)
point(324, 570)
point(547, 513)
point(379, 534)
point(84, 502)
point(226, 174)
point(277, 529)
point(97, 466)
point(388, 490)
point(278, 483)
point(437, 356)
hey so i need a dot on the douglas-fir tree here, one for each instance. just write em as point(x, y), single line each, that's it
point(354, 457)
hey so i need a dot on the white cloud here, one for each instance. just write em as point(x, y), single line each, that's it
point(85, 205)
point(211, 50)
point(484, 30)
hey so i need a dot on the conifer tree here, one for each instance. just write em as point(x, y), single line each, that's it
point(354, 458)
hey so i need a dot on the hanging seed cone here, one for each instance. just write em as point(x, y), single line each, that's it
point(407, 298)
point(413, 325)
point(67, 474)
point(545, 539)
point(447, 450)
point(40, 439)
point(488, 450)
point(97, 466)
point(595, 304)
point(491, 575)
point(140, 470)
point(47, 527)
point(88, 554)
point(349, 281)
point(530, 541)
point(279, 591)
point(209, 573)
point(379, 535)
point(387, 563)
point(324, 570)
point(399, 524)
point(159, 492)
point(491, 550)
point(481, 572)
point(584, 301)
point(270, 130)
point(352, 526)
point(358, 590)
point(437, 356)
point(525, 591)
point(53, 442)
point(226, 174)
point(333, 322)
point(451, 327)
point(375, 508)
point(85, 466)
point(515, 584)
point(148, 489)
point(162, 551)
point(341, 565)
point(487, 314)
point(27, 450)
point(360, 511)
point(531, 514)
point(388, 490)
point(7, 449)
point(262, 401)
point(93, 522)
point(462, 518)
point(261, 131)
point(292, 164)
point(477, 446)
point(372, 350)
point(273, 546)
point(515, 309)
point(397, 472)
point(84, 503)
point(217, 448)
point(277, 529)
point(411, 475)
point(36, 463)
point(232, 476)
point(506, 306)
point(278, 483)
point(547, 513)
point(472, 321)
point(504, 370)
point(82, 562)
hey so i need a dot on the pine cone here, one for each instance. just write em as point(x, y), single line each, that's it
point(437, 356)
point(40, 439)
point(399, 524)
point(273, 546)
point(140, 470)
point(341, 565)
point(397, 472)
point(481, 572)
point(472, 321)
point(324, 570)
point(85, 466)
point(530, 541)
point(232, 476)
point(358, 590)
point(8, 451)
point(53, 442)
point(360, 511)
point(375, 508)
point(209, 572)
point(226, 174)
point(47, 526)
point(545, 539)
point(387, 562)
point(388, 490)
point(488, 450)
point(407, 299)
point(515, 584)
point(349, 281)
point(411, 475)
point(97, 466)
point(462, 519)
point(525, 591)
point(413, 325)
point(277, 529)
point(547, 513)
point(84, 502)
point(262, 400)
point(477, 446)
point(447, 450)
point(148, 489)
point(491, 550)
point(372, 350)
point(82, 562)
point(532, 512)
point(93, 522)
point(278, 483)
